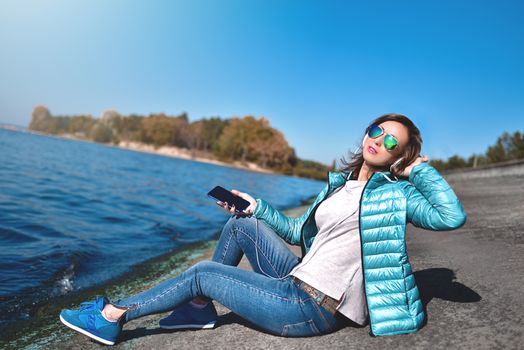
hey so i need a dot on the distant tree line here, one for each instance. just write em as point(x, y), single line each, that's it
point(507, 147)
point(244, 139)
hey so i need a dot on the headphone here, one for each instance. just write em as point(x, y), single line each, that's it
point(364, 140)
point(395, 163)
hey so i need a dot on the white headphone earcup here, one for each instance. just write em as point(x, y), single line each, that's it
point(364, 140)
point(396, 162)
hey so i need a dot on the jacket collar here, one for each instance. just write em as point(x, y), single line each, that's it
point(338, 178)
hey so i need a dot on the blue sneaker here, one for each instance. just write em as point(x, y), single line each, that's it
point(89, 321)
point(187, 316)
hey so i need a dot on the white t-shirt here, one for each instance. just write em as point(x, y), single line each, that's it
point(333, 264)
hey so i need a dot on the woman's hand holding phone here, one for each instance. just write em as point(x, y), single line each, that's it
point(248, 211)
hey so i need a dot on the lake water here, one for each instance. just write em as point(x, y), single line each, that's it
point(75, 214)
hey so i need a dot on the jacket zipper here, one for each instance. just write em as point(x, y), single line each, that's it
point(303, 245)
point(362, 253)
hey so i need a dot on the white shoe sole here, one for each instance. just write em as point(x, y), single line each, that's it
point(209, 325)
point(83, 331)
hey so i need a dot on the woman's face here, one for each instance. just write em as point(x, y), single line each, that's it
point(374, 152)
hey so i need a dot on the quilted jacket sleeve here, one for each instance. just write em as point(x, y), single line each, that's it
point(431, 203)
point(286, 227)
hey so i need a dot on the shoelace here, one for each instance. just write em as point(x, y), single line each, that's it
point(89, 305)
point(85, 306)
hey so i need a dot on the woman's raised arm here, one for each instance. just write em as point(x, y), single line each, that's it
point(431, 202)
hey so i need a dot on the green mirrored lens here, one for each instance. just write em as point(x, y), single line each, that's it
point(375, 131)
point(390, 142)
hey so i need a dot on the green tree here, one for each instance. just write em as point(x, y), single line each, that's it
point(498, 152)
point(130, 128)
point(456, 161)
point(439, 164)
point(205, 133)
point(100, 132)
point(234, 141)
point(39, 115)
point(183, 135)
point(41, 120)
point(311, 169)
point(81, 125)
point(516, 148)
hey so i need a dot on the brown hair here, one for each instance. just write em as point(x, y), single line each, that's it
point(411, 151)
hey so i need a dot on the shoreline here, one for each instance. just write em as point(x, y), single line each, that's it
point(182, 153)
point(44, 330)
point(166, 151)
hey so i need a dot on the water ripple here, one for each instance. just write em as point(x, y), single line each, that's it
point(75, 214)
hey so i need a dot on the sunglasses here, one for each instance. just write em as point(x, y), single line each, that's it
point(390, 142)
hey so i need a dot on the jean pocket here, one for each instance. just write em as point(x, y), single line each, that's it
point(300, 329)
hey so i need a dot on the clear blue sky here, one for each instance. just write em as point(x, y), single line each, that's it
point(318, 70)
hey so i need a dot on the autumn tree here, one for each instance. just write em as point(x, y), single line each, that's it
point(269, 147)
point(251, 139)
point(158, 129)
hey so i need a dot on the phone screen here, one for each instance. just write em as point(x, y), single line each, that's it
point(221, 194)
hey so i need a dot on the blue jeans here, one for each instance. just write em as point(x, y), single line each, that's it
point(266, 296)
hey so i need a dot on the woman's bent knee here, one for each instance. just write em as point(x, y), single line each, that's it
point(242, 220)
point(245, 222)
point(205, 266)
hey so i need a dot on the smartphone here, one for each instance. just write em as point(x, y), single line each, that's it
point(222, 195)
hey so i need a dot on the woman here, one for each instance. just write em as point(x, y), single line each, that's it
point(354, 266)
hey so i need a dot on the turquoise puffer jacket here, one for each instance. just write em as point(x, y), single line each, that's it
point(386, 206)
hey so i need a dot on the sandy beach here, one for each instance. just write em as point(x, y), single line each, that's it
point(183, 153)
